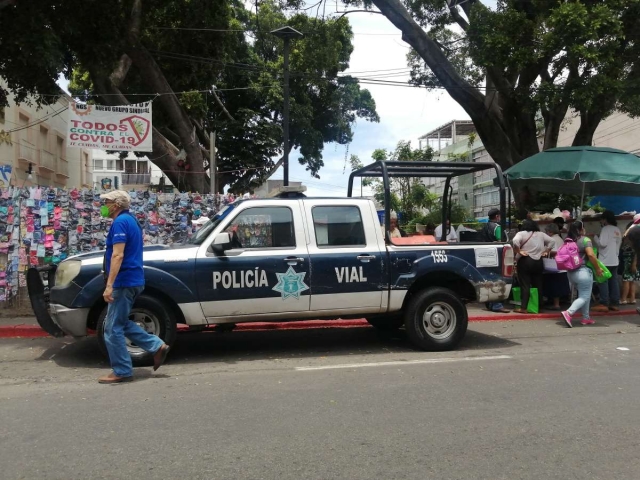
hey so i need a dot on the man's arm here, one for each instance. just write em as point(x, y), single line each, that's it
point(116, 263)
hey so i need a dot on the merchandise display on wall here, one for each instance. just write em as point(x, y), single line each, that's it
point(40, 225)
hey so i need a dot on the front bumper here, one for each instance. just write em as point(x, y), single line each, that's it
point(72, 321)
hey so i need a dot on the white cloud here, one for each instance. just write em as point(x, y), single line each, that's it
point(405, 113)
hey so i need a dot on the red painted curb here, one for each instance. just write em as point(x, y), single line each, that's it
point(22, 331)
point(34, 331)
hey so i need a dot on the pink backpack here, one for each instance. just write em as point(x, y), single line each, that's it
point(568, 257)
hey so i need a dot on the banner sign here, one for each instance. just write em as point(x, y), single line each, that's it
point(5, 175)
point(125, 128)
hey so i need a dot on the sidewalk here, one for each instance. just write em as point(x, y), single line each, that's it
point(27, 327)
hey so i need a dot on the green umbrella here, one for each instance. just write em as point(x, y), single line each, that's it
point(579, 171)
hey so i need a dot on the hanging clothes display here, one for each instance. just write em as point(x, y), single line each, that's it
point(42, 225)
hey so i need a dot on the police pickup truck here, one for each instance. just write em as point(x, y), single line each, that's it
point(296, 258)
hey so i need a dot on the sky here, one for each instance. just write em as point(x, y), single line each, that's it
point(405, 113)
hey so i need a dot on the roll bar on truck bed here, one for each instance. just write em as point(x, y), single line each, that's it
point(446, 170)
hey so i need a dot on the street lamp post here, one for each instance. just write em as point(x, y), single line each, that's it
point(286, 34)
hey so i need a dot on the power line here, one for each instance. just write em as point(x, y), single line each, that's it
point(247, 30)
point(38, 121)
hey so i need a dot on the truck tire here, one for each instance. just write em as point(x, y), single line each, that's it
point(387, 323)
point(436, 319)
point(153, 316)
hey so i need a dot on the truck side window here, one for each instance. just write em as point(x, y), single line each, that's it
point(263, 227)
point(338, 226)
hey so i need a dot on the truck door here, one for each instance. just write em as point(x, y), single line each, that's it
point(346, 261)
point(267, 269)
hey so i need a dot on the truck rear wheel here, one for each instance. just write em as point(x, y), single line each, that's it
point(153, 316)
point(436, 319)
point(387, 324)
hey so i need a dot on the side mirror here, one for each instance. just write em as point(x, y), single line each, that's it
point(221, 243)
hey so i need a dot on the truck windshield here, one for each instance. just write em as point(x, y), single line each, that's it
point(208, 227)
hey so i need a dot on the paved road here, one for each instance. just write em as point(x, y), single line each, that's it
point(519, 400)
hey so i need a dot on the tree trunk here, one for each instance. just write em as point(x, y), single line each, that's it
point(195, 178)
point(164, 152)
point(496, 128)
point(588, 124)
point(553, 121)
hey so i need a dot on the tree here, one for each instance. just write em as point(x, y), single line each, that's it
point(408, 195)
point(121, 51)
point(324, 106)
point(533, 57)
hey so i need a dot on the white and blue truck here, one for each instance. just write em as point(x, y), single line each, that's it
point(316, 258)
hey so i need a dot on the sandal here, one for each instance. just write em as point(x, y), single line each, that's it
point(519, 310)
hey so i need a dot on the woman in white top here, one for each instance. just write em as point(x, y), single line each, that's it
point(530, 245)
point(609, 242)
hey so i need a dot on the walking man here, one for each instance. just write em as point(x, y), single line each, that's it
point(124, 282)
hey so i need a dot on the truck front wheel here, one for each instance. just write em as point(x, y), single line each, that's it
point(153, 316)
point(435, 319)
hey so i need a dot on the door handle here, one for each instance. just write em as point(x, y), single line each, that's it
point(366, 258)
point(293, 260)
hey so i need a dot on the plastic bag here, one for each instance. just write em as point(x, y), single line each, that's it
point(606, 274)
point(533, 305)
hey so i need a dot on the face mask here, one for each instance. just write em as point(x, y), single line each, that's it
point(104, 211)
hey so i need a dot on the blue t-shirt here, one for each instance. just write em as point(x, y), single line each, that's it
point(125, 229)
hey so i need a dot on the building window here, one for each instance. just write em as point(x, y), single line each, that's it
point(98, 164)
point(142, 167)
point(338, 226)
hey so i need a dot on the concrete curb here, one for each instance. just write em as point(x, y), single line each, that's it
point(34, 331)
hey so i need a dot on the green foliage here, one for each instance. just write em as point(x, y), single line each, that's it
point(581, 53)
point(408, 195)
point(458, 215)
point(83, 40)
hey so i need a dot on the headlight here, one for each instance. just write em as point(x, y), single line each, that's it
point(66, 272)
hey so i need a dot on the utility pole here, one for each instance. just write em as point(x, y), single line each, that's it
point(286, 34)
point(212, 161)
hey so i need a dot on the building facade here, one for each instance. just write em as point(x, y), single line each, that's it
point(478, 194)
point(130, 173)
point(33, 143)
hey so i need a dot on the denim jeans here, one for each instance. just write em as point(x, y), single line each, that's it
point(494, 306)
point(117, 326)
point(610, 290)
point(582, 278)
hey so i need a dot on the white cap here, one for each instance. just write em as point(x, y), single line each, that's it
point(636, 219)
point(119, 197)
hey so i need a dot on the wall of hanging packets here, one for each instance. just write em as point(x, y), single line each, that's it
point(40, 225)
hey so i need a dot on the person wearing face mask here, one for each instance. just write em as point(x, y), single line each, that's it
point(582, 277)
point(609, 242)
point(124, 282)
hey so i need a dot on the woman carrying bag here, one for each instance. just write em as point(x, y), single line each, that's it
point(582, 277)
point(530, 245)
